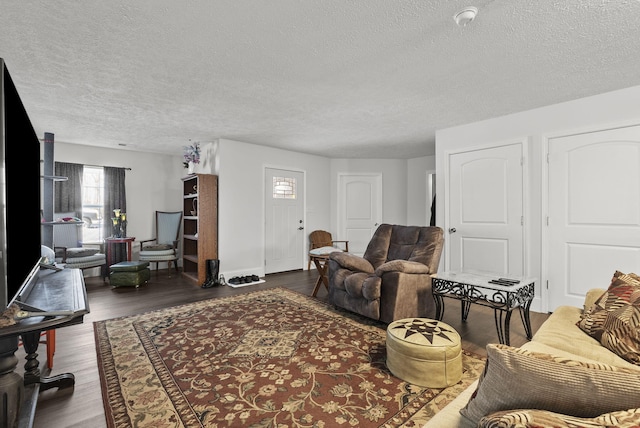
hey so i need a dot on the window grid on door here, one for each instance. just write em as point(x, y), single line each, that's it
point(284, 188)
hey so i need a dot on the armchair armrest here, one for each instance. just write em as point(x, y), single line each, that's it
point(403, 266)
point(346, 244)
point(100, 245)
point(351, 262)
point(64, 253)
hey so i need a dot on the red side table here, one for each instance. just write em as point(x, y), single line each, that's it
point(110, 241)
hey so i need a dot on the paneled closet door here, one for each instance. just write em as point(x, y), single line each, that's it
point(594, 211)
point(485, 211)
point(359, 209)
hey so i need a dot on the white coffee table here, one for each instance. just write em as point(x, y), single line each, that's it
point(471, 287)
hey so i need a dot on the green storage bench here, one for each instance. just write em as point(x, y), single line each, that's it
point(129, 274)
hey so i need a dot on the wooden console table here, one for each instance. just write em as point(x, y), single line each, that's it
point(46, 291)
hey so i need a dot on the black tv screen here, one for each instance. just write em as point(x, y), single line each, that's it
point(20, 184)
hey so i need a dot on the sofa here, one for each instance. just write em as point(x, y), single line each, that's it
point(563, 377)
point(392, 280)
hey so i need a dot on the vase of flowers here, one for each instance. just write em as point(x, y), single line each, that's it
point(191, 156)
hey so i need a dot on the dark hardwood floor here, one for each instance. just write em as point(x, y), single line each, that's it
point(82, 406)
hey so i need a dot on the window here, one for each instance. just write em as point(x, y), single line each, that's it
point(284, 188)
point(92, 203)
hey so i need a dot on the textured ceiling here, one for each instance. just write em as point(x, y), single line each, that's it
point(339, 78)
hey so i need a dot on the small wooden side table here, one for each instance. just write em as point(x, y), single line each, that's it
point(109, 242)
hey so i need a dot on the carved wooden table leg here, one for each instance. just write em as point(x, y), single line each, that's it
point(32, 366)
point(11, 385)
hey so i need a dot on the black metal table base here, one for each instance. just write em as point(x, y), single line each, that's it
point(502, 302)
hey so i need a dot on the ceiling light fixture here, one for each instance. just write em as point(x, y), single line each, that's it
point(465, 16)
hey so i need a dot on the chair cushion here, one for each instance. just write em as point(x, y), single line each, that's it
point(81, 252)
point(85, 262)
point(398, 242)
point(157, 247)
point(158, 253)
point(323, 251)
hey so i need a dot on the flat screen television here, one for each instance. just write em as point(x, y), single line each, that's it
point(20, 184)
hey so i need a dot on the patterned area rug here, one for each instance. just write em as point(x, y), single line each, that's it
point(270, 358)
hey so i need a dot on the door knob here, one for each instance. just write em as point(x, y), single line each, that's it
point(301, 228)
point(452, 230)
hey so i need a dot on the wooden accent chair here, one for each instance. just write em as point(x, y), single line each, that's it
point(322, 238)
point(393, 278)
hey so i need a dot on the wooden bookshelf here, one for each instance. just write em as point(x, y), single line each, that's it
point(200, 224)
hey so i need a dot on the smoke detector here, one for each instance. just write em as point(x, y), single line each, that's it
point(465, 16)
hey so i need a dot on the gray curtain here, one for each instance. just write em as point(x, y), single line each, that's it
point(114, 197)
point(68, 194)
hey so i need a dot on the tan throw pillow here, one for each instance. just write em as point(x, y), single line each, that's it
point(531, 418)
point(519, 379)
point(614, 319)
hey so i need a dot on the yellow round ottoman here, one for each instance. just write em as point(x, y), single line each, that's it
point(424, 352)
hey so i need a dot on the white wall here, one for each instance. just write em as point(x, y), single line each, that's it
point(241, 230)
point(611, 109)
point(240, 167)
point(404, 187)
point(153, 183)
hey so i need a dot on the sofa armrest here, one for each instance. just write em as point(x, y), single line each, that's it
point(403, 266)
point(351, 262)
point(591, 297)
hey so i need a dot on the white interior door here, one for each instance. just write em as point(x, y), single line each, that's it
point(485, 212)
point(359, 209)
point(594, 211)
point(284, 208)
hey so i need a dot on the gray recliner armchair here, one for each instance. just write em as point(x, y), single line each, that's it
point(393, 278)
